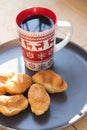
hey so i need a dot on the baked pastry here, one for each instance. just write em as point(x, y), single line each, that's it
point(4, 77)
point(12, 105)
point(52, 82)
point(2, 89)
point(39, 99)
point(18, 84)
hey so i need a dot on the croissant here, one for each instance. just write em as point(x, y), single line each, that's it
point(39, 99)
point(12, 105)
point(18, 84)
point(52, 81)
point(4, 77)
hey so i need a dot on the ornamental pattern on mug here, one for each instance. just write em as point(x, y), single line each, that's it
point(37, 45)
point(38, 55)
point(38, 66)
point(38, 51)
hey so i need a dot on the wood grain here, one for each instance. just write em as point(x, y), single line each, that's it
point(81, 124)
point(69, 128)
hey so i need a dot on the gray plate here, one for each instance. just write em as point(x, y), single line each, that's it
point(71, 64)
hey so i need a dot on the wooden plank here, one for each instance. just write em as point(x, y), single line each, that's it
point(81, 124)
point(77, 10)
point(69, 128)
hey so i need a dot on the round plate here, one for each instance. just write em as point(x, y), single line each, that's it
point(71, 64)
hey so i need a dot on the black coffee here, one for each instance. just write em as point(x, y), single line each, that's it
point(36, 23)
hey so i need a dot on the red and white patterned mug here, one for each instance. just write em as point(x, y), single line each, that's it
point(38, 48)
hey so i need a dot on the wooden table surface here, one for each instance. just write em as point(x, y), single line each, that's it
point(74, 11)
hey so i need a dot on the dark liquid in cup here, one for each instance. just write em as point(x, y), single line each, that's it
point(36, 23)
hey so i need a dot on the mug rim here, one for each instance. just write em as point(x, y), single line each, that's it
point(36, 10)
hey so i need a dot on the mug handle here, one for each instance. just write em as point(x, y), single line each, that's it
point(64, 42)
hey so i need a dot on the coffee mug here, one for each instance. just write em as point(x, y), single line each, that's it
point(37, 28)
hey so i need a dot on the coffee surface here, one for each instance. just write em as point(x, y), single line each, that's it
point(36, 23)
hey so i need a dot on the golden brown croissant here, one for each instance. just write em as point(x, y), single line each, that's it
point(4, 77)
point(2, 89)
point(39, 99)
point(12, 105)
point(53, 82)
point(18, 84)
